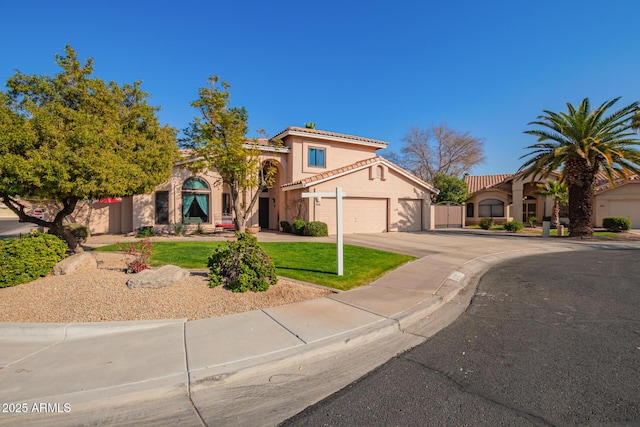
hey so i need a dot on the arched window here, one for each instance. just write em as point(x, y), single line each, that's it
point(491, 208)
point(195, 200)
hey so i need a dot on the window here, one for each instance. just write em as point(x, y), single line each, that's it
point(162, 207)
point(469, 210)
point(491, 208)
point(195, 200)
point(316, 157)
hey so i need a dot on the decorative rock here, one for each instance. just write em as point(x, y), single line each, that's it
point(76, 262)
point(163, 276)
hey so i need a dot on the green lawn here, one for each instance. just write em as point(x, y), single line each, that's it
point(307, 261)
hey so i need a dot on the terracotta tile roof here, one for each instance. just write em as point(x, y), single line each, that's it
point(477, 183)
point(322, 133)
point(603, 184)
point(360, 164)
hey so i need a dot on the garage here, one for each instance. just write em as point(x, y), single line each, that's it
point(629, 209)
point(409, 215)
point(360, 215)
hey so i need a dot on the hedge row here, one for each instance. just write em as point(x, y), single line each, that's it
point(302, 228)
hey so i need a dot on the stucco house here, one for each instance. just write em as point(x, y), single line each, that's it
point(495, 195)
point(380, 196)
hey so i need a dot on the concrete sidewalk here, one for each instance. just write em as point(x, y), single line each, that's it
point(254, 368)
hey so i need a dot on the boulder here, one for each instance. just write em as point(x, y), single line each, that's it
point(76, 262)
point(158, 278)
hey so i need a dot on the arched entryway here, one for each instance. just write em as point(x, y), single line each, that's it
point(269, 201)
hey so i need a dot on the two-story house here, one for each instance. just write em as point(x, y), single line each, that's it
point(380, 196)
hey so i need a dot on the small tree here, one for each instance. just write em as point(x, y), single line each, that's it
point(558, 192)
point(452, 189)
point(218, 138)
point(73, 137)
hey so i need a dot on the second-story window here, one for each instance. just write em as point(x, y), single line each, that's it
point(316, 157)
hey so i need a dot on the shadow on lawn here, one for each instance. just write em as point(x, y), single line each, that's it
point(306, 269)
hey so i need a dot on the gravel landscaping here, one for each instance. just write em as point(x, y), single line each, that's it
point(102, 295)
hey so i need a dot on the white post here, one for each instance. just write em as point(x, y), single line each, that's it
point(339, 240)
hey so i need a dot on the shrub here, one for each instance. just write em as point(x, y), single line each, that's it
point(145, 232)
point(531, 220)
point(242, 266)
point(138, 255)
point(486, 223)
point(316, 229)
point(617, 224)
point(80, 231)
point(177, 228)
point(286, 226)
point(298, 227)
point(29, 257)
point(513, 226)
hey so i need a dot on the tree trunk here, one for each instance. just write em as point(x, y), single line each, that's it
point(56, 227)
point(581, 184)
point(555, 219)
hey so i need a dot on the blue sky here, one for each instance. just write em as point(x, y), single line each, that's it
point(368, 68)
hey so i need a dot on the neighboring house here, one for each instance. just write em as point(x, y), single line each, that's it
point(380, 196)
point(493, 196)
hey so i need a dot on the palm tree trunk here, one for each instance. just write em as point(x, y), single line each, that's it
point(581, 184)
point(555, 219)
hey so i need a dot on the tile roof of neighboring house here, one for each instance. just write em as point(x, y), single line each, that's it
point(477, 183)
point(603, 184)
point(330, 135)
point(315, 179)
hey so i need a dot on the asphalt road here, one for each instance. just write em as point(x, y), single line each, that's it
point(547, 340)
point(10, 227)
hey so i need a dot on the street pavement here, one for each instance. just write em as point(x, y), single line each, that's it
point(255, 368)
point(547, 340)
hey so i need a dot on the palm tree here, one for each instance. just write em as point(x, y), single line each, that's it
point(584, 142)
point(559, 193)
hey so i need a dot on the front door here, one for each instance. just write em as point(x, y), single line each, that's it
point(528, 209)
point(263, 213)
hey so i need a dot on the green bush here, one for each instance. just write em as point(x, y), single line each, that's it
point(286, 226)
point(316, 229)
point(513, 226)
point(145, 232)
point(486, 223)
point(177, 228)
point(80, 231)
point(617, 224)
point(298, 226)
point(29, 257)
point(242, 266)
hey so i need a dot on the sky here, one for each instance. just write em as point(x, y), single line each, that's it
point(367, 68)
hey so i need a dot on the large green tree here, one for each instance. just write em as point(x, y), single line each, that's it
point(583, 142)
point(452, 189)
point(72, 137)
point(218, 138)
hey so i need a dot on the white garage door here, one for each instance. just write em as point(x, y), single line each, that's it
point(409, 215)
point(629, 209)
point(360, 215)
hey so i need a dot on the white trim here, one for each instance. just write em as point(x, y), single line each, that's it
point(268, 148)
point(359, 168)
point(334, 138)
